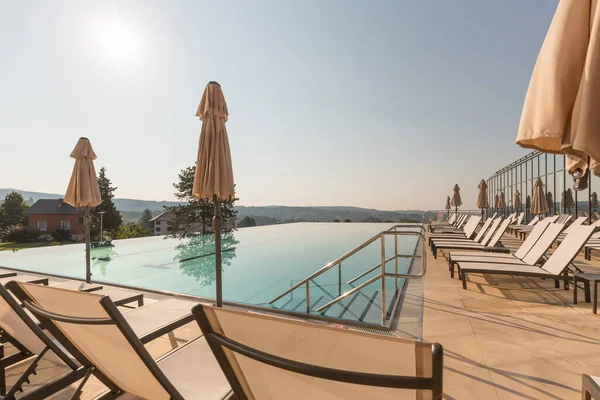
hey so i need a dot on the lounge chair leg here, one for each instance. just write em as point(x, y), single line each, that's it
point(434, 251)
point(18, 386)
point(586, 286)
point(452, 271)
point(464, 279)
point(172, 340)
point(2, 373)
point(79, 390)
point(556, 283)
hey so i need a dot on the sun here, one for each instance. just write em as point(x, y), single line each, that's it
point(118, 41)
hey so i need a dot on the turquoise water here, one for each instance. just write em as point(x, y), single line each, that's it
point(258, 264)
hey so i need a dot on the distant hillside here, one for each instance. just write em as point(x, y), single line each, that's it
point(131, 210)
point(122, 204)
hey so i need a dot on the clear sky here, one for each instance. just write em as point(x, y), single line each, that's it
point(382, 104)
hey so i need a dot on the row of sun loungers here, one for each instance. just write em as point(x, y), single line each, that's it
point(241, 354)
point(530, 259)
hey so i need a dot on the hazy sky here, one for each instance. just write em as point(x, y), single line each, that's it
point(382, 104)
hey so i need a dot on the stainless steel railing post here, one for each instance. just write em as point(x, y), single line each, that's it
point(396, 259)
point(383, 307)
point(307, 298)
point(340, 279)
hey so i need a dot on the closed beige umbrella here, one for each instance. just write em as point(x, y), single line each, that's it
point(456, 201)
point(497, 201)
point(550, 201)
point(482, 196)
point(517, 200)
point(214, 172)
point(448, 206)
point(567, 199)
point(560, 110)
point(595, 203)
point(539, 203)
point(501, 200)
point(83, 191)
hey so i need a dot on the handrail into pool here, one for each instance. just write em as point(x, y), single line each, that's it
point(380, 236)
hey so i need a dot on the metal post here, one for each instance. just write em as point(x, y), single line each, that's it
point(565, 184)
point(396, 256)
point(307, 298)
point(217, 226)
point(339, 279)
point(554, 197)
point(86, 223)
point(383, 300)
point(525, 195)
point(101, 225)
point(590, 196)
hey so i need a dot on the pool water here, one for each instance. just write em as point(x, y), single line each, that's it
point(259, 263)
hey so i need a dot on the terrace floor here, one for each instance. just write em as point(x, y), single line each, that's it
point(504, 338)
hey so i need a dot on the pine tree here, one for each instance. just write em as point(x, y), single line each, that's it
point(145, 219)
point(112, 218)
point(12, 210)
point(197, 212)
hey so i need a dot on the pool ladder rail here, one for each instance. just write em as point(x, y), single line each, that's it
point(394, 231)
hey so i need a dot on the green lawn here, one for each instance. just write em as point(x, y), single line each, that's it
point(21, 246)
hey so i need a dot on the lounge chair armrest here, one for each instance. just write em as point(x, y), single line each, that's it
point(496, 250)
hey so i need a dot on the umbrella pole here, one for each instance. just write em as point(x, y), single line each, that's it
point(86, 223)
point(217, 226)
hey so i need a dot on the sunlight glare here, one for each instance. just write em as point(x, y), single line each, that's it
point(119, 42)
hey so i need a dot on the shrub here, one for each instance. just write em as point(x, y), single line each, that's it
point(246, 222)
point(20, 234)
point(62, 235)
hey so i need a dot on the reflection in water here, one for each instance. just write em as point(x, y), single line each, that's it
point(101, 256)
point(196, 256)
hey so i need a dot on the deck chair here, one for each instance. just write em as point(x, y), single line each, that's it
point(525, 230)
point(20, 329)
point(489, 241)
point(564, 218)
point(456, 224)
point(272, 357)
point(531, 223)
point(99, 337)
point(533, 256)
point(467, 233)
point(484, 229)
point(556, 267)
point(473, 221)
point(578, 221)
point(590, 387)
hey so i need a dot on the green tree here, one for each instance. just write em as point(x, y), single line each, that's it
point(347, 220)
point(12, 210)
point(195, 212)
point(336, 220)
point(131, 231)
point(246, 222)
point(112, 218)
point(145, 219)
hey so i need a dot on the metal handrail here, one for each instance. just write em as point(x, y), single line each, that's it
point(338, 262)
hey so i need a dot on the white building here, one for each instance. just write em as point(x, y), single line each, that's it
point(161, 224)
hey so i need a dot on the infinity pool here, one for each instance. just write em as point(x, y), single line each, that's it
point(258, 264)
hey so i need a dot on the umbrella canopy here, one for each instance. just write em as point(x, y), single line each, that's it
point(560, 110)
point(482, 197)
point(448, 206)
point(539, 203)
point(549, 200)
point(517, 200)
point(497, 201)
point(456, 201)
point(595, 203)
point(214, 172)
point(501, 200)
point(567, 197)
point(83, 190)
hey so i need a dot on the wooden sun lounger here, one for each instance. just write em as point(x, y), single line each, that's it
point(556, 267)
point(147, 323)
